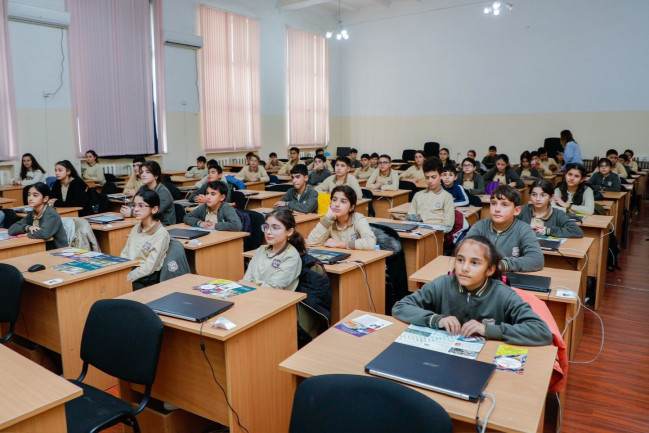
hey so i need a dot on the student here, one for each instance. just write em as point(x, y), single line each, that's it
point(542, 217)
point(535, 162)
point(341, 227)
point(604, 179)
point(633, 164)
point(134, 182)
point(444, 156)
point(68, 189)
point(616, 168)
point(489, 160)
point(571, 151)
point(365, 171)
point(560, 160)
point(341, 177)
point(94, 170)
point(273, 163)
point(214, 214)
point(31, 171)
point(320, 152)
point(474, 302)
point(43, 222)
point(148, 241)
point(479, 166)
point(434, 205)
point(415, 172)
point(319, 173)
point(624, 161)
point(294, 155)
point(278, 263)
point(151, 175)
point(253, 172)
point(450, 185)
point(514, 240)
point(199, 170)
point(214, 174)
point(470, 180)
point(300, 198)
point(353, 154)
point(384, 179)
point(248, 155)
point(547, 163)
point(374, 160)
point(526, 170)
point(503, 174)
point(573, 194)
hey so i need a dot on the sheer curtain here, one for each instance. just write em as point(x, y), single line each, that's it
point(230, 81)
point(8, 140)
point(110, 69)
point(308, 88)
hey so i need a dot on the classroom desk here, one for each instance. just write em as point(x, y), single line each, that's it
point(9, 202)
point(245, 358)
point(418, 249)
point(180, 181)
point(33, 398)
point(597, 227)
point(348, 287)
point(362, 206)
point(175, 173)
point(562, 309)
point(258, 185)
point(471, 213)
point(218, 255)
point(304, 222)
point(520, 399)
point(20, 246)
point(112, 237)
point(53, 315)
point(64, 212)
point(618, 209)
point(234, 168)
point(263, 199)
point(14, 192)
point(384, 200)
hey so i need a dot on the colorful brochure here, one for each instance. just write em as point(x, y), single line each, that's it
point(223, 288)
point(441, 341)
point(362, 325)
point(511, 359)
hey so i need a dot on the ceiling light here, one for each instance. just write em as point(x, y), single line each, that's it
point(495, 7)
point(339, 31)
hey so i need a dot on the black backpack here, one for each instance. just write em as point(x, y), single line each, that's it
point(314, 312)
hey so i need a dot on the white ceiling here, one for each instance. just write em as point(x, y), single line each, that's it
point(345, 5)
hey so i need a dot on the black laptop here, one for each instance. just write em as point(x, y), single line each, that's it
point(400, 227)
point(535, 283)
point(328, 257)
point(436, 371)
point(549, 244)
point(189, 307)
point(187, 233)
point(105, 219)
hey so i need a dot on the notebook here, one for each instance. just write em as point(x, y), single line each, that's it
point(458, 377)
point(550, 244)
point(400, 227)
point(328, 257)
point(189, 307)
point(534, 283)
point(105, 219)
point(187, 233)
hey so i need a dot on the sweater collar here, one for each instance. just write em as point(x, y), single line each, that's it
point(479, 292)
point(503, 231)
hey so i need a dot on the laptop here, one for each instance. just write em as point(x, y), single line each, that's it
point(400, 227)
point(187, 233)
point(549, 244)
point(535, 283)
point(105, 219)
point(189, 307)
point(440, 372)
point(575, 217)
point(247, 192)
point(328, 257)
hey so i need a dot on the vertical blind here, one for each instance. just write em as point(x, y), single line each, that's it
point(8, 136)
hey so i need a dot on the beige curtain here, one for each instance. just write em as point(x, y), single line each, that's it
point(8, 136)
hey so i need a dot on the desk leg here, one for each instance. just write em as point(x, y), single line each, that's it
point(349, 291)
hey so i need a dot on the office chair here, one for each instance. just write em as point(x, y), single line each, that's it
point(282, 187)
point(10, 297)
point(404, 184)
point(256, 237)
point(431, 148)
point(344, 403)
point(180, 213)
point(121, 338)
point(408, 155)
point(369, 194)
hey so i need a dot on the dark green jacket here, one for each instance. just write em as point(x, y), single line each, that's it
point(558, 223)
point(510, 176)
point(50, 224)
point(228, 218)
point(308, 202)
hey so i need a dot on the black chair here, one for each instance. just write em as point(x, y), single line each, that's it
point(121, 338)
point(10, 297)
point(396, 276)
point(256, 237)
point(431, 148)
point(369, 194)
point(180, 213)
point(238, 199)
point(343, 151)
point(553, 145)
point(282, 187)
point(110, 177)
point(25, 191)
point(109, 188)
point(10, 218)
point(344, 403)
point(408, 155)
point(410, 186)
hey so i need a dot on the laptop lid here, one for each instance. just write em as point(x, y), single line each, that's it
point(189, 307)
point(549, 244)
point(328, 257)
point(187, 233)
point(104, 219)
point(399, 227)
point(452, 375)
point(536, 283)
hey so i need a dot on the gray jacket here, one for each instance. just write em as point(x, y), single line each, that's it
point(478, 183)
point(175, 262)
point(558, 224)
point(50, 224)
point(316, 178)
point(506, 316)
point(167, 208)
point(510, 176)
point(517, 245)
point(228, 218)
point(307, 203)
point(609, 183)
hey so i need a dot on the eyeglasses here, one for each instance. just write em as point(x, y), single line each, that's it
point(140, 205)
point(467, 165)
point(384, 162)
point(271, 229)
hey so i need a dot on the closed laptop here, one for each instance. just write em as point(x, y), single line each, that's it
point(187, 233)
point(399, 227)
point(189, 307)
point(328, 257)
point(536, 283)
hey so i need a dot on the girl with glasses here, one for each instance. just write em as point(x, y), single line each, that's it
point(151, 175)
point(148, 242)
point(469, 178)
point(278, 263)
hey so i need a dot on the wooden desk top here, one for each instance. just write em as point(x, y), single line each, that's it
point(213, 238)
point(49, 261)
point(29, 389)
point(175, 173)
point(180, 179)
point(249, 308)
point(441, 265)
point(406, 235)
point(256, 182)
point(128, 222)
point(606, 204)
point(11, 187)
point(628, 186)
point(613, 195)
point(466, 210)
point(265, 194)
point(18, 242)
point(7, 201)
point(389, 194)
point(573, 247)
point(299, 217)
point(596, 221)
point(520, 398)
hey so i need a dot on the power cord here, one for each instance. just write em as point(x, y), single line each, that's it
point(477, 414)
point(48, 94)
point(559, 412)
point(200, 335)
point(579, 251)
point(360, 266)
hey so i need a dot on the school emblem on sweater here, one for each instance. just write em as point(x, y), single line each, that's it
point(438, 205)
point(516, 252)
point(146, 247)
point(172, 266)
point(354, 237)
point(275, 263)
point(488, 321)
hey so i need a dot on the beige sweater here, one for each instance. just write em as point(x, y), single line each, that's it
point(277, 271)
point(95, 172)
point(385, 183)
point(357, 235)
point(149, 248)
point(246, 174)
point(330, 183)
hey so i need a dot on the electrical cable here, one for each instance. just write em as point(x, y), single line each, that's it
point(486, 419)
point(601, 347)
point(579, 251)
point(367, 283)
point(579, 304)
point(48, 94)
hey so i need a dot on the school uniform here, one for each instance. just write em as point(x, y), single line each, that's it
point(434, 207)
point(224, 218)
point(274, 167)
point(556, 223)
point(633, 165)
point(196, 172)
point(246, 174)
point(354, 163)
point(330, 183)
point(95, 172)
point(149, 249)
point(474, 186)
point(587, 207)
point(386, 183)
point(167, 209)
point(609, 183)
point(357, 234)
point(489, 162)
point(288, 166)
point(528, 173)
point(364, 173)
point(134, 183)
point(202, 190)
point(619, 170)
point(307, 202)
point(507, 178)
point(317, 177)
point(72, 195)
point(457, 192)
point(505, 315)
point(31, 177)
point(328, 166)
point(547, 163)
point(279, 270)
point(413, 172)
point(50, 225)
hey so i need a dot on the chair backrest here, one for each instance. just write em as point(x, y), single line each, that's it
point(553, 145)
point(350, 403)
point(49, 180)
point(238, 199)
point(175, 262)
point(283, 187)
point(408, 154)
point(404, 184)
point(10, 297)
point(256, 237)
point(343, 151)
point(369, 194)
point(110, 188)
point(10, 218)
point(123, 338)
point(110, 177)
point(431, 148)
point(180, 212)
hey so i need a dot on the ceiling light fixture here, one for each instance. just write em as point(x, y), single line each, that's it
point(340, 32)
point(496, 7)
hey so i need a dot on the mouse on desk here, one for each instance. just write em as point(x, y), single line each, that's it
point(36, 267)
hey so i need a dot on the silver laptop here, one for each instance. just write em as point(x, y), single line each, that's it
point(435, 371)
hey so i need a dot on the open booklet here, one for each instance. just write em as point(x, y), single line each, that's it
point(440, 341)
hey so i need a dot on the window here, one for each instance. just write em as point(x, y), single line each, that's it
point(308, 89)
point(8, 143)
point(230, 81)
